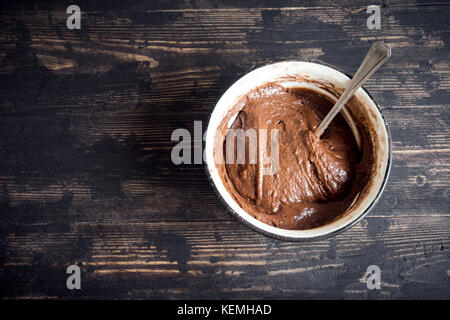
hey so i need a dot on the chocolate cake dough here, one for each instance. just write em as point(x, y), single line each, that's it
point(316, 178)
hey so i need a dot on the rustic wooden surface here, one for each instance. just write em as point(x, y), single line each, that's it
point(85, 171)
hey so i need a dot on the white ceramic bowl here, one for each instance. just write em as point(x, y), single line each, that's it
point(325, 80)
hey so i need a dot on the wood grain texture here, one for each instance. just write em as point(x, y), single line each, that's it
point(86, 178)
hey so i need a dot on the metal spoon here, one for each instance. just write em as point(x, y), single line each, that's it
point(378, 54)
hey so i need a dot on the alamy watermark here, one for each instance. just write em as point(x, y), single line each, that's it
point(372, 277)
point(374, 20)
point(74, 280)
point(74, 20)
point(241, 147)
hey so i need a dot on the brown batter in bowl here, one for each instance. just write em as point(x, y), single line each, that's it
point(321, 187)
point(316, 179)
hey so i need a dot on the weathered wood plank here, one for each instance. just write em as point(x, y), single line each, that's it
point(185, 194)
point(417, 72)
point(224, 259)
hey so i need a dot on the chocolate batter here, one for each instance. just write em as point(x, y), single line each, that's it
point(316, 180)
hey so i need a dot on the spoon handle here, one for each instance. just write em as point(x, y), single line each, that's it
point(378, 54)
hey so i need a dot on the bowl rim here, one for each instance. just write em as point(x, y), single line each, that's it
point(345, 227)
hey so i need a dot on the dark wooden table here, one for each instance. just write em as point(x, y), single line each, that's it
point(86, 176)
